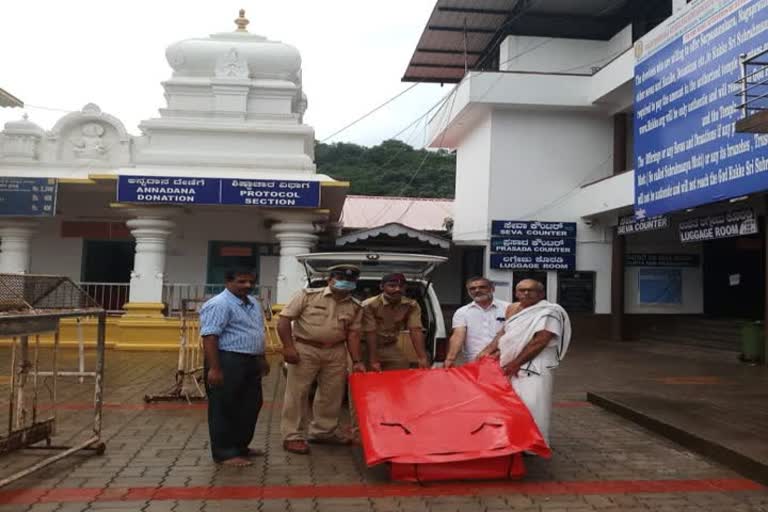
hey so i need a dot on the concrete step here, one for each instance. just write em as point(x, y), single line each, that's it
point(712, 433)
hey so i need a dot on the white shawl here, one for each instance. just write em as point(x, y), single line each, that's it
point(520, 328)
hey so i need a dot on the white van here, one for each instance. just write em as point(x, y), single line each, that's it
point(375, 265)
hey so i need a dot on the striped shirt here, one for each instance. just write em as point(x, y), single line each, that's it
point(239, 326)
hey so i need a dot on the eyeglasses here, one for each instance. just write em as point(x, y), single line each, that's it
point(528, 290)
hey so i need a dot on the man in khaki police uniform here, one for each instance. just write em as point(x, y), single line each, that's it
point(384, 317)
point(314, 348)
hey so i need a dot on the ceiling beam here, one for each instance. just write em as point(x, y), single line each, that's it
point(469, 30)
point(432, 79)
point(474, 10)
point(581, 27)
point(433, 65)
point(447, 52)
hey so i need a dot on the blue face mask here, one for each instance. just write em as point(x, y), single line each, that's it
point(344, 286)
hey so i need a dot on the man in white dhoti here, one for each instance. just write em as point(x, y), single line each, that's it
point(533, 341)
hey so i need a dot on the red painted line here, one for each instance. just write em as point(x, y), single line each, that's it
point(34, 495)
point(82, 406)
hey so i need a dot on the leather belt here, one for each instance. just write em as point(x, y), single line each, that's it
point(318, 344)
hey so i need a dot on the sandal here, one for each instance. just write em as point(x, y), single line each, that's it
point(299, 446)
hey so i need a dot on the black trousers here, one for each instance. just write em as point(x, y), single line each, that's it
point(233, 407)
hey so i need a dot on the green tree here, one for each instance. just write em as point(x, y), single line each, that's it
point(393, 168)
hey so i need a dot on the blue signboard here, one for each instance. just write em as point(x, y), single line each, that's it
point(533, 262)
point(251, 192)
point(533, 245)
point(660, 286)
point(686, 96)
point(33, 197)
point(167, 190)
point(271, 193)
point(533, 228)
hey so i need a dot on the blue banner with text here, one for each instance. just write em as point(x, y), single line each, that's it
point(687, 152)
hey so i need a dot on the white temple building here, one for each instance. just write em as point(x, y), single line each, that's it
point(224, 176)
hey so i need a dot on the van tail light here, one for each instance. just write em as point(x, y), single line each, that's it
point(441, 349)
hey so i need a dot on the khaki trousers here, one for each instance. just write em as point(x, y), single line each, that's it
point(391, 358)
point(329, 367)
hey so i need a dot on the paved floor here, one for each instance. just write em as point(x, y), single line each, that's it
point(157, 458)
point(706, 399)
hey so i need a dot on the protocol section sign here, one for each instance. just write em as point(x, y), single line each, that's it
point(28, 197)
point(533, 245)
point(224, 191)
point(686, 105)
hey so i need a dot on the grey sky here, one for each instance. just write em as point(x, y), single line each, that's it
point(63, 55)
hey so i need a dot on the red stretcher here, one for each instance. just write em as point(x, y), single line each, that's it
point(445, 424)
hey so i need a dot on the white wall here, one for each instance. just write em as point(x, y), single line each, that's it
point(540, 160)
point(664, 242)
point(471, 206)
point(187, 250)
point(54, 255)
point(188, 246)
point(555, 55)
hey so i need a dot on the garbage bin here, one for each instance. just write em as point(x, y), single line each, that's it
point(752, 342)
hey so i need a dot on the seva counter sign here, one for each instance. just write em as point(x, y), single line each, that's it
point(533, 245)
point(222, 191)
point(686, 96)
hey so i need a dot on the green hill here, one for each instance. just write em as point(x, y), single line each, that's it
point(389, 169)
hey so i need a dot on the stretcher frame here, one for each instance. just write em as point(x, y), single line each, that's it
point(31, 307)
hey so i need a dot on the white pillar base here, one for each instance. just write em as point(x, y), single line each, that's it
point(151, 231)
point(296, 237)
point(15, 238)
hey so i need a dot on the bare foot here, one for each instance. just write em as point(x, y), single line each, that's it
point(237, 462)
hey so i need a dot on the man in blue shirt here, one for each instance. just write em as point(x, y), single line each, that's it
point(232, 328)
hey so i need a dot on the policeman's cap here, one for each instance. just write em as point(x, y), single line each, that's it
point(393, 278)
point(345, 271)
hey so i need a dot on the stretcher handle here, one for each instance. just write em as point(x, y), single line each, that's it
point(484, 424)
point(386, 424)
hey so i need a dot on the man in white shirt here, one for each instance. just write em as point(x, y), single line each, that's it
point(476, 324)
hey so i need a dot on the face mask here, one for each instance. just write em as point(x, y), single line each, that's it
point(345, 286)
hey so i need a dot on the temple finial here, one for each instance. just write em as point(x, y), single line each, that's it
point(242, 22)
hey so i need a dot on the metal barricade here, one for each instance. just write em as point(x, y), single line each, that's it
point(189, 367)
point(188, 382)
point(753, 89)
point(32, 307)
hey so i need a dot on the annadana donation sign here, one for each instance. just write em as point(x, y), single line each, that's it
point(224, 191)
